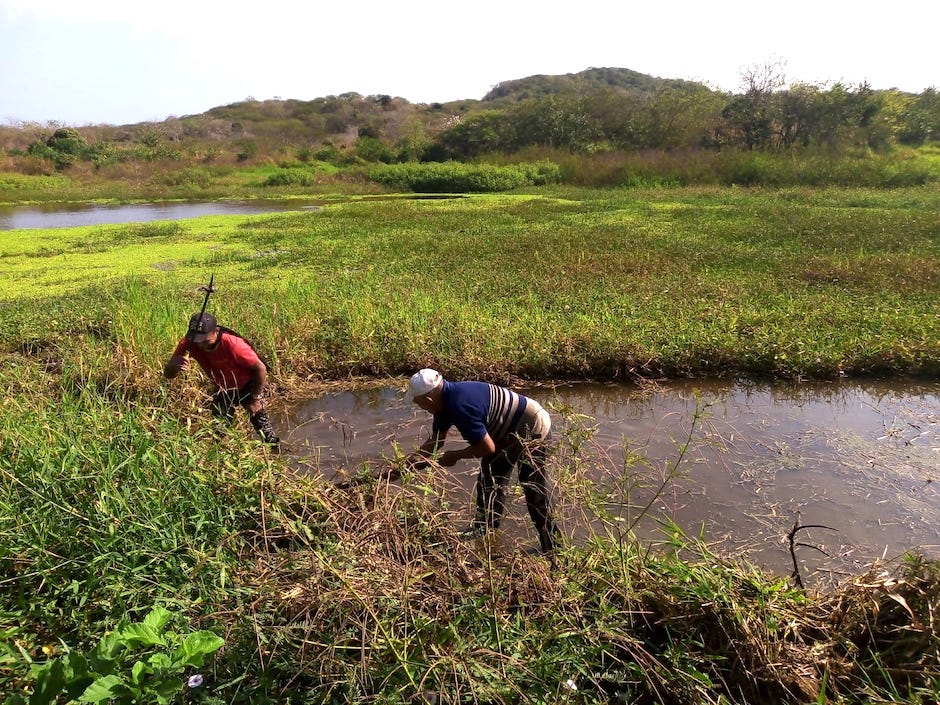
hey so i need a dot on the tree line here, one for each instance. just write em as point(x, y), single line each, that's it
point(577, 115)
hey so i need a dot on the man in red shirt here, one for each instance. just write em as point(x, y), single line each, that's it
point(232, 364)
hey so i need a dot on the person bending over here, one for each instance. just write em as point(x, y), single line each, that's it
point(234, 367)
point(502, 428)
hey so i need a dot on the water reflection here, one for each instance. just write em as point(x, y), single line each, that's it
point(57, 215)
point(861, 458)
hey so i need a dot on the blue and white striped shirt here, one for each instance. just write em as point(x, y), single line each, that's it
point(478, 408)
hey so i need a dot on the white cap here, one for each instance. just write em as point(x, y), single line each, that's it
point(423, 382)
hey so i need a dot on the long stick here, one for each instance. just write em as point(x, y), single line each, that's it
point(208, 289)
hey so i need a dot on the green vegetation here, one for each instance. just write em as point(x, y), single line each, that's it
point(610, 284)
point(157, 659)
point(117, 493)
point(604, 225)
point(598, 113)
point(454, 177)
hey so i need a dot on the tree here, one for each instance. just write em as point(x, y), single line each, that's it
point(748, 116)
point(485, 132)
point(555, 121)
point(677, 117)
point(64, 147)
point(67, 140)
point(798, 114)
point(920, 118)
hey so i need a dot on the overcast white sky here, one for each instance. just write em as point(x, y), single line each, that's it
point(81, 62)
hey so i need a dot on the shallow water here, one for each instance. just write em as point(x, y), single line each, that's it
point(70, 215)
point(859, 459)
point(57, 215)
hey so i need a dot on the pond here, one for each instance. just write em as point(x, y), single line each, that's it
point(57, 215)
point(738, 462)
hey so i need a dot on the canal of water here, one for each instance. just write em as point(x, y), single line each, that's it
point(738, 463)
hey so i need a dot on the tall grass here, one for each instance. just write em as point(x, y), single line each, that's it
point(117, 492)
point(563, 283)
point(613, 284)
point(115, 496)
point(650, 168)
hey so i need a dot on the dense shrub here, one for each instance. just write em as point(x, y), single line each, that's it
point(813, 169)
point(196, 177)
point(63, 148)
point(454, 177)
point(290, 177)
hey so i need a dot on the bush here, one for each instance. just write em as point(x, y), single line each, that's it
point(146, 661)
point(193, 177)
point(455, 177)
point(873, 170)
point(290, 177)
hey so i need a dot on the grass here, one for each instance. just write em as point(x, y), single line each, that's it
point(117, 493)
point(611, 284)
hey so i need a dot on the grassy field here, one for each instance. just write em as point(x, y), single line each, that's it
point(116, 493)
point(561, 283)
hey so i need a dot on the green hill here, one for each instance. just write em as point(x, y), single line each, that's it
point(592, 80)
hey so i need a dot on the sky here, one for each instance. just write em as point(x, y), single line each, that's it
point(84, 62)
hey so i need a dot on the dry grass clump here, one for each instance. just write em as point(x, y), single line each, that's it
point(385, 594)
point(882, 628)
point(377, 599)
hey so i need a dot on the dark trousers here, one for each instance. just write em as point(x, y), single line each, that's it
point(225, 401)
point(495, 473)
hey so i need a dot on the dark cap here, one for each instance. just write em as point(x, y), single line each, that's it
point(201, 327)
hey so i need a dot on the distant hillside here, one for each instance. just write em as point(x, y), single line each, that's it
point(343, 119)
point(591, 80)
point(262, 126)
point(598, 109)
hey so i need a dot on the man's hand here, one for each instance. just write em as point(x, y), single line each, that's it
point(254, 405)
point(449, 458)
point(175, 365)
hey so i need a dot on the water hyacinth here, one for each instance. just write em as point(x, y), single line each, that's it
point(194, 681)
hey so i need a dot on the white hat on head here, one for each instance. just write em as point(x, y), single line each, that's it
point(423, 382)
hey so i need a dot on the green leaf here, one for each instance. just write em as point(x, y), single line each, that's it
point(105, 688)
point(167, 690)
point(197, 646)
point(77, 674)
point(142, 635)
point(108, 648)
point(50, 679)
point(160, 662)
point(158, 618)
point(138, 670)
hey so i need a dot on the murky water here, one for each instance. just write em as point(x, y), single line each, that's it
point(70, 215)
point(861, 460)
point(57, 215)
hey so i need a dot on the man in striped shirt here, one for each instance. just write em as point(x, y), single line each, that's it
point(502, 428)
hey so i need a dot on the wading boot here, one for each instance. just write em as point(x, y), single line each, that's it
point(549, 541)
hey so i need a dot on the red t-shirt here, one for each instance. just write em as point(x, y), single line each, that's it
point(229, 364)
